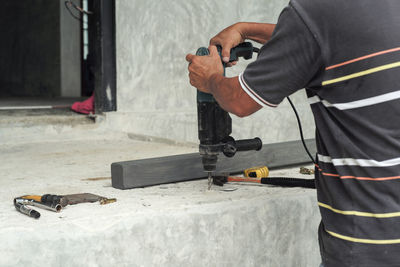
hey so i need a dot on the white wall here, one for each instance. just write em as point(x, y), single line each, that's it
point(154, 96)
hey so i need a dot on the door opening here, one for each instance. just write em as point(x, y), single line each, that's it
point(52, 55)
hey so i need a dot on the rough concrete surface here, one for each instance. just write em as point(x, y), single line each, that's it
point(168, 225)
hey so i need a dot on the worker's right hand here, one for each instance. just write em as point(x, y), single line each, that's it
point(227, 39)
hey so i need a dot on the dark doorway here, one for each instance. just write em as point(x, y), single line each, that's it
point(54, 53)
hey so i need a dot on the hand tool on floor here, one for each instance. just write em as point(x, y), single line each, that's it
point(72, 199)
point(48, 199)
point(55, 202)
point(279, 181)
point(88, 198)
point(21, 204)
point(24, 209)
point(215, 124)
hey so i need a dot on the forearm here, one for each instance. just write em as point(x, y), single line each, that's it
point(259, 32)
point(231, 97)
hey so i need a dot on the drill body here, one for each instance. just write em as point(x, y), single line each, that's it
point(215, 124)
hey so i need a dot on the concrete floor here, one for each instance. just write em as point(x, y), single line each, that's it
point(179, 224)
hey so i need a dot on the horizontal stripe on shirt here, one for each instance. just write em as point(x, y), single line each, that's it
point(358, 103)
point(359, 195)
point(360, 171)
point(360, 213)
point(365, 241)
point(253, 94)
point(362, 73)
point(363, 58)
point(344, 177)
point(358, 162)
point(365, 133)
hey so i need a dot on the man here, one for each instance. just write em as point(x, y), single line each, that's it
point(347, 56)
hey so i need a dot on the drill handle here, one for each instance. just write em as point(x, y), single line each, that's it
point(249, 144)
point(231, 146)
point(244, 50)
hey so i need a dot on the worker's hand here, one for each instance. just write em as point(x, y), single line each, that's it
point(203, 68)
point(228, 38)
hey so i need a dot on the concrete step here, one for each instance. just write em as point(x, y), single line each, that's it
point(29, 117)
point(180, 224)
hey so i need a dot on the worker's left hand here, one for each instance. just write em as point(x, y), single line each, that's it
point(203, 68)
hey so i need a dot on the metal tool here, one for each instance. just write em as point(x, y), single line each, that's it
point(215, 124)
point(278, 181)
point(48, 199)
point(21, 204)
point(26, 210)
point(55, 202)
point(88, 198)
point(31, 202)
point(210, 180)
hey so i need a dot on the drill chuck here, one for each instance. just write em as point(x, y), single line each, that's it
point(209, 156)
point(209, 162)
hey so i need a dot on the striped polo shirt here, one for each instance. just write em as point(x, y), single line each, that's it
point(346, 53)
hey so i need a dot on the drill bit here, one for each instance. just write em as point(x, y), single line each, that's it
point(209, 180)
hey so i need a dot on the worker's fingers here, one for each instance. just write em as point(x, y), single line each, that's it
point(230, 64)
point(215, 41)
point(189, 57)
point(226, 48)
point(226, 52)
point(192, 68)
point(213, 50)
point(191, 79)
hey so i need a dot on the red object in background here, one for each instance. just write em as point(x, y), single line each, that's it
point(84, 107)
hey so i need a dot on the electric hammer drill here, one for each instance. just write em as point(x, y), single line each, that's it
point(215, 124)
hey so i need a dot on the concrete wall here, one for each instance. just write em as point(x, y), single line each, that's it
point(39, 49)
point(154, 96)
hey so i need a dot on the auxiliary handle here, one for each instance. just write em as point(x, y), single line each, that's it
point(249, 144)
point(231, 146)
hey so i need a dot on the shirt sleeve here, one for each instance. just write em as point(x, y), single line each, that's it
point(286, 63)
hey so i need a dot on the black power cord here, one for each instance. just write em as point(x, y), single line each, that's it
point(301, 130)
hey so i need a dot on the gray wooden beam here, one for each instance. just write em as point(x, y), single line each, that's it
point(179, 168)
